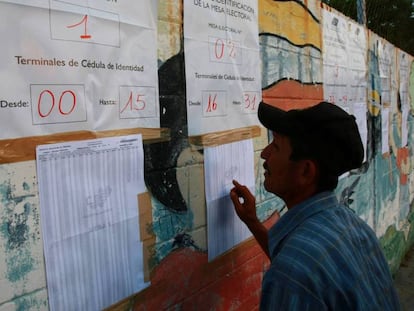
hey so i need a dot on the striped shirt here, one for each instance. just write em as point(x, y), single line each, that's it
point(324, 257)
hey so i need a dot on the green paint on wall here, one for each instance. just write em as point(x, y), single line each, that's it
point(15, 233)
point(19, 264)
point(393, 243)
point(386, 179)
point(14, 228)
point(167, 225)
point(411, 85)
point(30, 302)
point(410, 238)
point(26, 186)
point(5, 192)
point(266, 208)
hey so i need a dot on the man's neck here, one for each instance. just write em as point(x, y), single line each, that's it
point(300, 196)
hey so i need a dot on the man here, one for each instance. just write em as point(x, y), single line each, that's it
point(323, 256)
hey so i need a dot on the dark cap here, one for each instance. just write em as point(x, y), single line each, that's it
point(330, 132)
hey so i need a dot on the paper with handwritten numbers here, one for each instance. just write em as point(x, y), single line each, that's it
point(222, 64)
point(78, 65)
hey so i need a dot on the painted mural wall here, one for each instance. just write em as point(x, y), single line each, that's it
point(173, 212)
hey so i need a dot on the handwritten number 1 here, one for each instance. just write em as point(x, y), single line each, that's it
point(83, 21)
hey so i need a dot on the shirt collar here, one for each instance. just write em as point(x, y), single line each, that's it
point(297, 214)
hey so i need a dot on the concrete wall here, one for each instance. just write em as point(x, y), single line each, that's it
point(174, 223)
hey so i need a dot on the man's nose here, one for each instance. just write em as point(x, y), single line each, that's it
point(265, 152)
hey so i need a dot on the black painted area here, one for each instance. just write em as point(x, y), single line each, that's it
point(161, 158)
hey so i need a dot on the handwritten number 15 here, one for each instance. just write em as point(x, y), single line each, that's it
point(138, 104)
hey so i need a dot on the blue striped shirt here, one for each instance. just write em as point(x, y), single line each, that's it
point(324, 257)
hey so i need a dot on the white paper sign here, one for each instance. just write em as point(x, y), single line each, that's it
point(74, 65)
point(344, 60)
point(385, 130)
point(222, 164)
point(360, 113)
point(386, 61)
point(404, 125)
point(357, 48)
point(89, 215)
point(403, 62)
point(222, 64)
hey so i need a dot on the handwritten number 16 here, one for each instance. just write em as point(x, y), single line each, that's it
point(212, 104)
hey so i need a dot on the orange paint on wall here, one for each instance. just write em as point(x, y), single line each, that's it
point(403, 156)
point(185, 280)
point(291, 94)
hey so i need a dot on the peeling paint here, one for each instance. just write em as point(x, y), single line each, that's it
point(16, 232)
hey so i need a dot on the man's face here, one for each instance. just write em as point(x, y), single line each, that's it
point(280, 171)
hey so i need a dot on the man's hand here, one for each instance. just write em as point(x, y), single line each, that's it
point(244, 203)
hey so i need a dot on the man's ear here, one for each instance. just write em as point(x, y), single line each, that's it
point(309, 172)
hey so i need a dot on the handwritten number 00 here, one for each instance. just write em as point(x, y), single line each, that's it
point(52, 96)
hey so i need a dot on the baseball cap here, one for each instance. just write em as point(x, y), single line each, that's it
point(330, 132)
